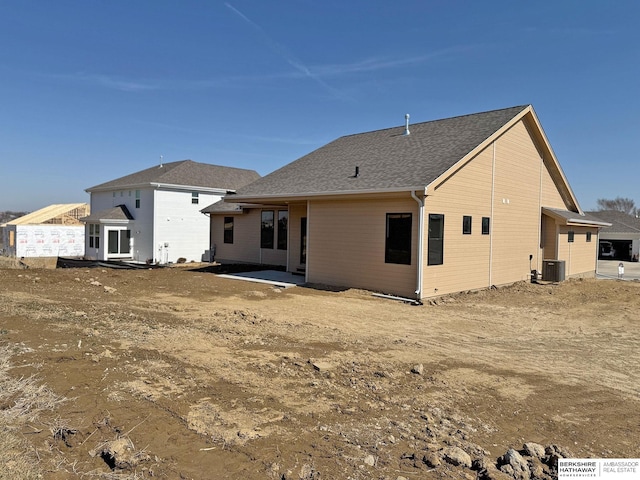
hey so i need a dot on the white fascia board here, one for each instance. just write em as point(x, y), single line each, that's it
point(263, 198)
point(155, 185)
point(191, 188)
point(110, 221)
point(579, 222)
point(133, 186)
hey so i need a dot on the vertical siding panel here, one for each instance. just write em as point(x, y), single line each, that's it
point(522, 185)
point(579, 256)
point(466, 257)
point(246, 237)
point(517, 206)
point(347, 245)
point(296, 213)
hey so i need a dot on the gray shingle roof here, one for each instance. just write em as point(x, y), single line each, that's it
point(620, 222)
point(119, 212)
point(222, 207)
point(387, 159)
point(186, 173)
point(573, 217)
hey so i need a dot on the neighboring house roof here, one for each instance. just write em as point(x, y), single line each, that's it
point(573, 218)
point(183, 173)
point(119, 212)
point(388, 160)
point(619, 222)
point(65, 213)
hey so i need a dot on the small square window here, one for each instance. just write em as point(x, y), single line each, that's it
point(588, 236)
point(485, 225)
point(466, 225)
point(570, 236)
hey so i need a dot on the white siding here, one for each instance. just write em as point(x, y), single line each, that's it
point(180, 224)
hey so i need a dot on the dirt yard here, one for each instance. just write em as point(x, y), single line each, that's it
point(176, 373)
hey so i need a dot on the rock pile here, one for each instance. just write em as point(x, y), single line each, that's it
point(533, 462)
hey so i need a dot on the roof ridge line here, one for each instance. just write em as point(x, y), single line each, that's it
point(522, 107)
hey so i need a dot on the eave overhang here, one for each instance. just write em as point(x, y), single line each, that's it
point(334, 195)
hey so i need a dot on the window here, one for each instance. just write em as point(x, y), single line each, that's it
point(283, 221)
point(435, 255)
point(137, 198)
point(94, 236)
point(267, 231)
point(118, 242)
point(228, 229)
point(570, 236)
point(588, 236)
point(485, 225)
point(466, 225)
point(398, 240)
point(194, 198)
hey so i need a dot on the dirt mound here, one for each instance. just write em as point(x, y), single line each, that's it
point(21, 264)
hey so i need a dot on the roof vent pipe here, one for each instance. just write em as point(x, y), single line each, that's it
point(406, 124)
point(357, 174)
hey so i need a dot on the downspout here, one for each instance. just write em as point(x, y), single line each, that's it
point(420, 266)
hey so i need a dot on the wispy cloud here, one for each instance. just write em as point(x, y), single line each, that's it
point(317, 73)
point(108, 81)
point(285, 54)
point(385, 63)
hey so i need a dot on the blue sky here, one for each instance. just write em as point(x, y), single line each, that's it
point(93, 90)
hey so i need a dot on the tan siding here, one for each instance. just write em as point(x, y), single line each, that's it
point(347, 245)
point(273, 256)
point(296, 212)
point(517, 206)
point(579, 256)
point(246, 237)
point(550, 195)
point(549, 238)
point(466, 257)
point(522, 185)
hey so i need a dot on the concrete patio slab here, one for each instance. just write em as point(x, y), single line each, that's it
point(272, 277)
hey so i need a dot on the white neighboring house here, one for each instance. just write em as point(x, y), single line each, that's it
point(154, 215)
point(53, 231)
